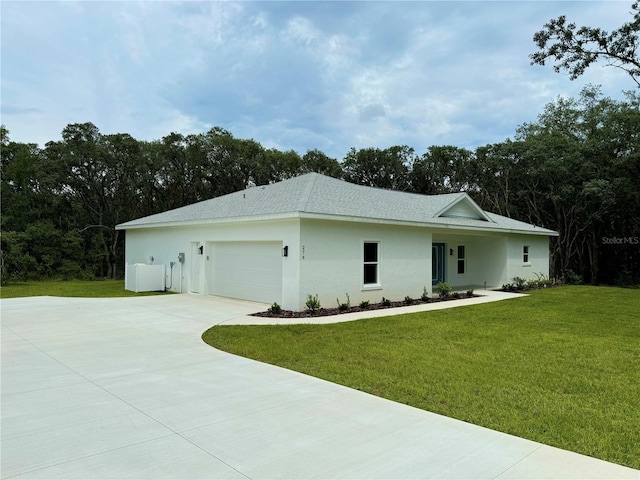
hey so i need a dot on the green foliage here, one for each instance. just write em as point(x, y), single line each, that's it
point(575, 49)
point(542, 281)
point(470, 292)
point(443, 289)
point(385, 302)
point(364, 304)
point(475, 364)
point(316, 161)
point(344, 306)
point(444, 169)
point(41, 251)
point(408, 300)
point(572, 278)
point(626, 278)
point(313, 304)
point(388, 168)
point(574, 170)
point(425, 295)
point(78, 188)
point(275, 308)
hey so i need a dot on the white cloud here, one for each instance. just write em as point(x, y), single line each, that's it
point(175, 121)
point(301, 30)
point(133, 38)
point(212, 22)
point(299, 75)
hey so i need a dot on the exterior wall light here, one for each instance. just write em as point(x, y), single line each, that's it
point(285, 251)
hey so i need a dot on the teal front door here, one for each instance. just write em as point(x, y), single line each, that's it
point(437, 263)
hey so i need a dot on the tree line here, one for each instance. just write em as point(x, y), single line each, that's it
point(574, 170)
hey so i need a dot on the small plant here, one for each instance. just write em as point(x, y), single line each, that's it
point(425, 295)
point(344, 306)
point(543, 281)
point(386, 302)
point(408, 300)
point(572, 278)
point(275, 308)
point(470, 292)
point(444, 290)
point(455, 295)
point(519, 283)
point(364, 304)
point(313, 304)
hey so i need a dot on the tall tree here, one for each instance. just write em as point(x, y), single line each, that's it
point(496, 174)
point(575, 49)
point(35, 240)
point(388, 168)
point(573, 170)
point(443, 169)
point(96, 175)
point(317, 161)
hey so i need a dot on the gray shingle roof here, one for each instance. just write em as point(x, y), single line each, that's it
point(316, 194)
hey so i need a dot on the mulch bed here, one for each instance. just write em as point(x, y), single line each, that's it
point(323, 312)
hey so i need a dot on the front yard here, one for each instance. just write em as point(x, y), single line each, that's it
point(70, 288)
point(561, 366)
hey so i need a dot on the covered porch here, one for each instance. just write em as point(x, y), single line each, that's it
point(468, 261)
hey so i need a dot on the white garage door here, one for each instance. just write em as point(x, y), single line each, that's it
point(246, 270)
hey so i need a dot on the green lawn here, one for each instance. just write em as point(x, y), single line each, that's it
point(561, 366)
point(71, 288)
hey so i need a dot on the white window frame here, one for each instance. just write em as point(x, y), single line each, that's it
point(526, 255)
point(464, 260)
point(377, 285)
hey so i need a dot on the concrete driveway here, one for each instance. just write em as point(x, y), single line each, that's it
point(125, 388)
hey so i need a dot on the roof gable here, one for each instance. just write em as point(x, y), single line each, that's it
point(464, 207)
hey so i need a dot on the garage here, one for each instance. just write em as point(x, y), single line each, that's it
point(246, 270)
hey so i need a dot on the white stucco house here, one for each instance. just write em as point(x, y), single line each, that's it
point(318, 235)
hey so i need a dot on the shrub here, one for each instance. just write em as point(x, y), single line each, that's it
point(455, 295)
point(519, 283)
point(470, 292)
point(408, 300)
point(572, 278)
point(344, 306)
point(444, 290)
point(275, 308)
point(626, 278)
point(539, 282)
point(386, 302)
point(425, 295)
point(313, 304)
point(364, 304)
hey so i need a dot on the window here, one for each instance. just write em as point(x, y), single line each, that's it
point(525, 254)
point(461, 260)
point(370, 263)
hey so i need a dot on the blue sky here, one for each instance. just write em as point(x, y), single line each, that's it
point(292, 75)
